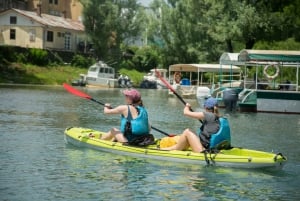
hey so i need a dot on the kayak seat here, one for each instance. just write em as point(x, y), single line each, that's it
point(221, 139)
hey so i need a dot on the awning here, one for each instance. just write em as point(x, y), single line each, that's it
point(269, 55)
point(203, 68)
point(230, 59)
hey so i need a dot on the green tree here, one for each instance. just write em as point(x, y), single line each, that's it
point(108, 23)
point(183, 29)
point(141, 58)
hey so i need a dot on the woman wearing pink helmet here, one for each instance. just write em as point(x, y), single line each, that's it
point(134, 118)
point(211, 125)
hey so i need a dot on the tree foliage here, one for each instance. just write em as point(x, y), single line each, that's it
point(190, 31)
point(108, 23)
point(201, 30)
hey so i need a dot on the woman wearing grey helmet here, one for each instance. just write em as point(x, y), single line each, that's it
point(211, 125)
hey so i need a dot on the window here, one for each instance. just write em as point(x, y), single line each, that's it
point(55, 12)
point(32, 35)
point(53, 2)
point(13, 20)
point(12, 34)
point(60, 34)
point(50, 36)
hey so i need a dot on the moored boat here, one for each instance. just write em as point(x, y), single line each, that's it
point(271, 88)
point(234, 157)
point(151, 81)
point(101, 75)
point(189, 80)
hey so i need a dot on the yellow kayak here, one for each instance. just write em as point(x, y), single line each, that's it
point(234, 157)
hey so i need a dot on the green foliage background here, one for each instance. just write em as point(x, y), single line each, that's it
point(189, 31)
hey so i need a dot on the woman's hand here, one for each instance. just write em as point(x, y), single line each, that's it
point(107, 108)
point(107, 105)
point(187, 108)
point(188, 105)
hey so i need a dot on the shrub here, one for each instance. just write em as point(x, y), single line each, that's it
point(8, 53)
point(81, 61)
point(135, 76)
point(38, 57)
point(21, 58)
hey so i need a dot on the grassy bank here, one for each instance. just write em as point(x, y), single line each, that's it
point(30, 74)
point(18, 73)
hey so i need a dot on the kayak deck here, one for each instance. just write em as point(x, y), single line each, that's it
point(235, 157)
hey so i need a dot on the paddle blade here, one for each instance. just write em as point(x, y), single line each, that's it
point(76, 92)
point(164, 81)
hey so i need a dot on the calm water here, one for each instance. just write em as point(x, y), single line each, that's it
point(36, 164)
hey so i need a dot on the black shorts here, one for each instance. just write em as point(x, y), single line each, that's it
point(204, 141)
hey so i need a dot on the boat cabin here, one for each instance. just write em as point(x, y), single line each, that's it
point(102, 75)
point(101, 69)
point(151, 81)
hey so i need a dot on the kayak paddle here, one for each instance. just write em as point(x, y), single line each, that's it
point(76, 92)
point(171, 88)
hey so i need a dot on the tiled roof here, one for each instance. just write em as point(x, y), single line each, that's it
point(51, 20)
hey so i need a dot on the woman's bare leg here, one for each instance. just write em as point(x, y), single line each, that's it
point(188, 138)
point(114, 134)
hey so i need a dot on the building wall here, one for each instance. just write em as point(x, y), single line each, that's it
point(31, 37)
point(65, 8)
point(63, 39)
point(28, 33)
point(31, 34)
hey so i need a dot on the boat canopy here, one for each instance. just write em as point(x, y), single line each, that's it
point(159, 70)
point(230, 59)
point(269, 55)
point(204, 68)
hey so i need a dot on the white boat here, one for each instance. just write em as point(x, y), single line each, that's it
point(268, 90)
point(101, 75)
point(151, 81)
point(203, 80)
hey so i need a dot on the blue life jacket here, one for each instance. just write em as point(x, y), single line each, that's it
point(223, 135)
point(139, 125)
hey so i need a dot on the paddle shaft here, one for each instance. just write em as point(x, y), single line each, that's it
point(174, 92)
point(76, 92)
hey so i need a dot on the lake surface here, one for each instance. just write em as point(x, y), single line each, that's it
point(36, 164)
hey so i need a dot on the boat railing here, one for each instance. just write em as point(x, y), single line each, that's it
point(245, 94)
point(276, 86)
point(219, 94)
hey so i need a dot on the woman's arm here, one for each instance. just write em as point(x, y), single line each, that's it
point(196, 115)
point(117, 110)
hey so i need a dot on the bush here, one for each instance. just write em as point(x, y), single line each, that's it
point(81, 61)
point(38, 57)
point(135, 76)
point(8, 53)
point(21, 58)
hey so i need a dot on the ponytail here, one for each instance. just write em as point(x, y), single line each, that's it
point(216, 111)
point(139, 103)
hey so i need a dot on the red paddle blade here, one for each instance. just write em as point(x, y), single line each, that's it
point(164, 81)
point(76, 92)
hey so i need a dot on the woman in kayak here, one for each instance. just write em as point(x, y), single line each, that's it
point(210, 125)
point(134, 118)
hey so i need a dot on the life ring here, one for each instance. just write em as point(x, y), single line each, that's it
point(177, 77)
point(271, 76)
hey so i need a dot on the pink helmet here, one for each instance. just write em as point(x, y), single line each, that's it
point(133, 94)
